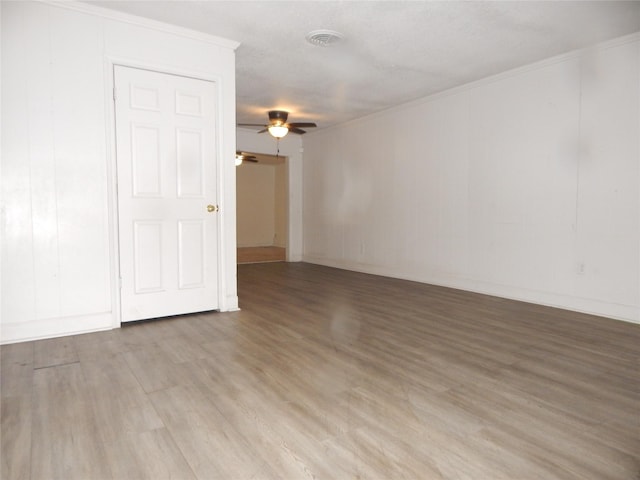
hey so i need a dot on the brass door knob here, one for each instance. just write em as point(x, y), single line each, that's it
point(212, 208)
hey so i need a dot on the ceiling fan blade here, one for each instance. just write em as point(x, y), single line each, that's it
point(250, 159)
point(278, 118)
point(245, 155)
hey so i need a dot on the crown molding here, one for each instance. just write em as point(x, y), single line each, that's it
point(142, 22)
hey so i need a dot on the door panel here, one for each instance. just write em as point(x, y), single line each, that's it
point(145, 160)
point(143, 97)
point(190, 163)
point(148, 257)
point(191, 244)
point(188, 104)
point(166, 160)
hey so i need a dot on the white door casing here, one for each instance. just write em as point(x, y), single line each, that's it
point(167, 193)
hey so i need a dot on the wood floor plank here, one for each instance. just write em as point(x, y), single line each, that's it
point(581, 454)
point(16, 387)
point(65, 440)
point(15, 438)
point(155, 369)
point(16, 369)
point(213, 448)
point(150, 455)
point(99, 345)
point(54, 351)
point(16, 354)
point(120, 405)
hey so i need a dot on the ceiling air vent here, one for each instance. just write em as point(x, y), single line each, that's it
point(324, 38)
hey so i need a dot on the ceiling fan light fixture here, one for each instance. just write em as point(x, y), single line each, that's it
point(324, 38)
point(239, 159)
point(278, 131)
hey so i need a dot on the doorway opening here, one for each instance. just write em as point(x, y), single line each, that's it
point(262, 206)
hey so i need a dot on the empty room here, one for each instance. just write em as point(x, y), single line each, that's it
point(320, 240)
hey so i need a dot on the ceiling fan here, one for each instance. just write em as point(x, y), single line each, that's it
point(278, 126)
point(245, 157)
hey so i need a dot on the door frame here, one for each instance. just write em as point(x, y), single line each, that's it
point(112, 175)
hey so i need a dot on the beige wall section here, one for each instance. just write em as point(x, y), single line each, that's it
point(280, 214)
point(255, 187)
point(262, 205)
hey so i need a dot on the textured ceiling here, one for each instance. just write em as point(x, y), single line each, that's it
point(392, 52)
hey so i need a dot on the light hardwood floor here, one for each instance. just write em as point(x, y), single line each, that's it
point(330, 374)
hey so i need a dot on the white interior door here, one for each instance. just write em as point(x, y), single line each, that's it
point(167, 193)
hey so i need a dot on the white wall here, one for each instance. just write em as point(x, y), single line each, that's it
point(290, 147)
point(524, 185)
point(59, 261)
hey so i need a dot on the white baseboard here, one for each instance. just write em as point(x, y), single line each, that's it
point(230, 304)
point(55, 327)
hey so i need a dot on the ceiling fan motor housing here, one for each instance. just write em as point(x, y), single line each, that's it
point(278, 117)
